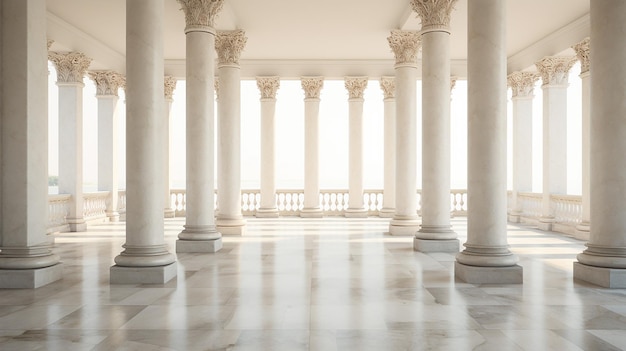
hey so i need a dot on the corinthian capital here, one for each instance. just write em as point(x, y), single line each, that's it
point(229, 46)
point(169, 84)
point(356, 86)
point(312, 86)
point(200, 14)
point(70, 66)
point(268, 86)
point(554, 69)
point(388, 85)
point(582, 52)
point(522, 83)
point(435, 14)
point(107, 82)
point(405, 45)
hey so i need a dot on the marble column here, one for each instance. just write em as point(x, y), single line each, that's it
point(268, 87)
point(312, 87)
point(71, 68)
point(26, 260)
point(200, 233)
point(229, 218)
point(554, 72)
point(522, 85)
point(145, 259)
point(405, 45)
point(486, 258)
point(604, 261)
point(355, 86)
point(107, 85)
point(435, 233)
point(169, 86)
point(582, 52)
point(388, 86)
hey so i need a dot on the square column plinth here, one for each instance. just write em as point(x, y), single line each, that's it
point(29, 278)
point(143, 275)
point(489, 275)
point(605, 277)
point(423, 245)
point(198, 246)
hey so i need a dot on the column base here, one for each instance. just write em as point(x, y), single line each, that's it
point(355, 213)
point(231, 226)
point(142, 275)
point(311, 213)
point(77, 225)
point(169, 213)
point(30, 278)
point(113, 216)
point(514, 218)
point(424, 245)
point(267, 213)
point(545, 223)
point(386, 212)
point(489, 275)
point(613, 278)
point(198, 246)
point(404, 227)
point(582, 231)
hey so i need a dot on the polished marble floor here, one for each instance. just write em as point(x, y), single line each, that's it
point(314, 284)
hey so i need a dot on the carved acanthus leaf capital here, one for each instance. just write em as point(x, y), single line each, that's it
point(312, 86)
point(435, 14)
point(582, 52)
point(229, 46)
point(554, 70)
point(522, 83)
point(268, 86)
point(107, 82)
point(356, 86)
point(71, 66)
point(388, 85)
point(200, 14)
point(405, 45)
point(169, 84)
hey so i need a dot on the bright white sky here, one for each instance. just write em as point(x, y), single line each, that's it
point(333, 123)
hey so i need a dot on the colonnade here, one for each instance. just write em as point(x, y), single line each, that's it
point(26, 260)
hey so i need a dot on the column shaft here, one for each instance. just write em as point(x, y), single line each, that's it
point(25, 257)
point(389, 190)
point(486, 258)
point(582, 230)
point(311, 159)
point(268, 155)
point(604, 261)
point(145, 258)
point(107, 151)
point(356, 87)
point(169, 212)
point(522, 150)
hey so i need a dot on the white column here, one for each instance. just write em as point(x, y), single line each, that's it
point(268, 87)
point(25, 257)
point(388, 85)
point(169, 86)
point(435, 233)
point(554, 73)
point(200, 234)
point(604, 261)
point(355, 86)
point(405, 45)
point(71, 67)
point(229, 218)
point(107, 85)
point(582, 52)
point(145, 259)
point(486, 258)
point(312, 87)
point(522, 84)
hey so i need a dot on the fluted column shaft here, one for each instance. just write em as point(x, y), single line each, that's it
point(312, 87)
point(200, 234)
point(356, 86)
point(268, 87)
point(145, 247)
point(604, 261)
point(486, 258)
point(25, 257)
point(389, 176)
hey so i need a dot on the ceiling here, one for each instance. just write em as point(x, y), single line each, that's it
point(332, 38)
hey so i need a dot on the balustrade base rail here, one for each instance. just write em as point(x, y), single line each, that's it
point(566, 210)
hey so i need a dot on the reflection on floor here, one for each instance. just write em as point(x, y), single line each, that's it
point(316, 284)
